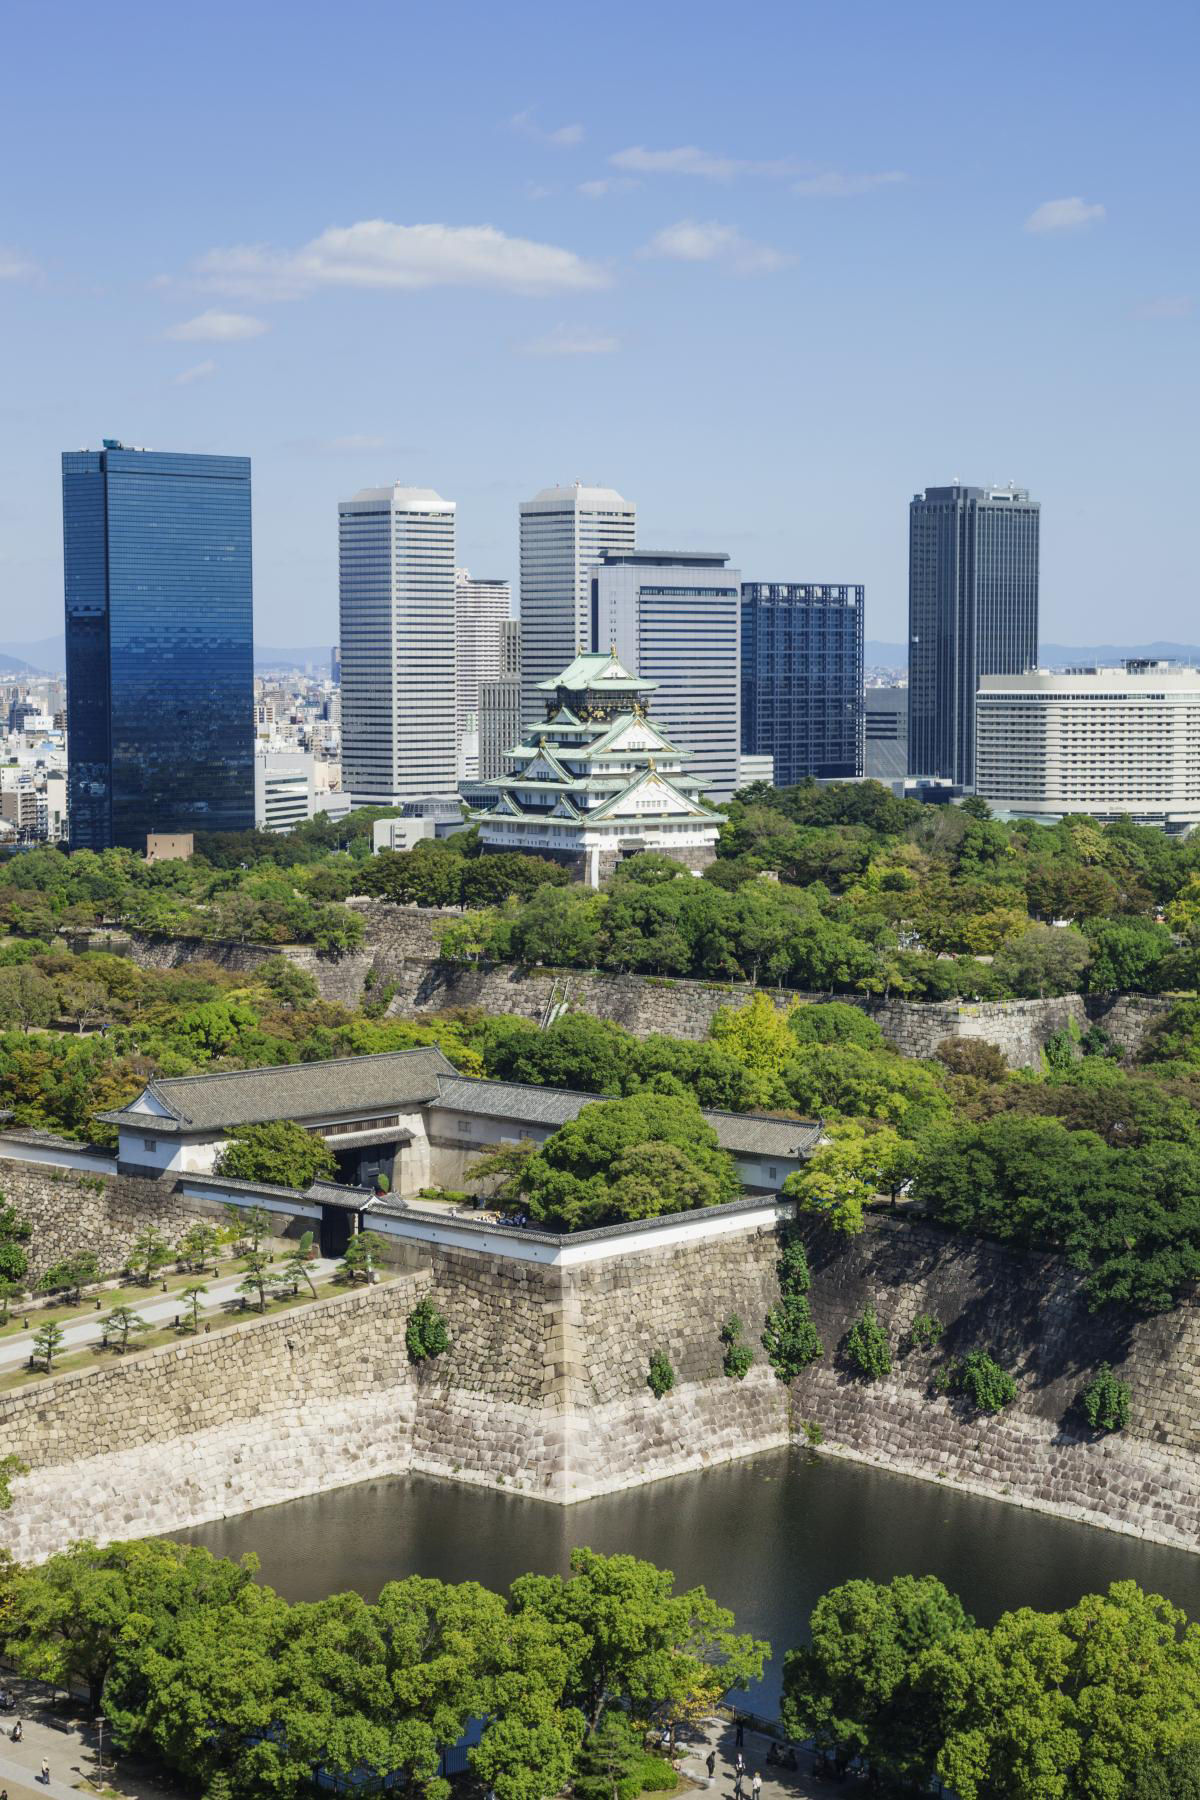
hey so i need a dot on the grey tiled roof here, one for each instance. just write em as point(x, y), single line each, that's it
point(745, 1134)
point(317, 1090)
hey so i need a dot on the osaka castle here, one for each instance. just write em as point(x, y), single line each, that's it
point(597, 780)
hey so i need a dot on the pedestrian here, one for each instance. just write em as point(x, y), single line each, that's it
point(45, 1773)
point(18, 1732)
point(756, 1785)
point(741, 1733)
point(710, 1763)
point(737, 1785)
point(740, 1765)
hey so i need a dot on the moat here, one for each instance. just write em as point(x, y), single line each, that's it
point(766, 1536)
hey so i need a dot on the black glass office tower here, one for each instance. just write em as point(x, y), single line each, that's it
point(972, 611)
point(160, 644)
point(802, 678)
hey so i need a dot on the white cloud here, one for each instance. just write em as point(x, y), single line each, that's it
point(838, 184)
point(198, 372)
point(16, 266)
point(217, 328)
point(1072, 214)
point(692, 241)
point(564, 138)
point(686, 159)
point(816, 183)
point(378, 254)
point(1166, 306)
point(567, 340)
point(608, 184)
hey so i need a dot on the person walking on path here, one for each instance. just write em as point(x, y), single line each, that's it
point(737, 1784)
point(756, 1786)
point(710, 1763)
point(740, 1738)
point(45, 1777)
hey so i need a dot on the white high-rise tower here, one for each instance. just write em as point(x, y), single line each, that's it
point(563, 532)
point(396, 584)
point(483, 608)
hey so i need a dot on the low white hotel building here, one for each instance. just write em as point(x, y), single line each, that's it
point(1107, 742)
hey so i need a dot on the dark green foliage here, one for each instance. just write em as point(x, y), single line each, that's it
point(925, 1332)
point(1172, 1777)
point(425, 1332)
point(661, 1376)
point(656, 1776)
point(1129, 1218)
point(281, 1153)
point(14, 1232)
point(72, 1274)
point(1106, 1401)
point(835, 1022)
point(610, 1762)
point(988, 1387)
point(867, 1348)
point(790, 1339)
point(739, 1357)
point(853, 1686)
point(620, 1159)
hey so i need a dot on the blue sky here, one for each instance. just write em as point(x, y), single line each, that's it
point(767, 270)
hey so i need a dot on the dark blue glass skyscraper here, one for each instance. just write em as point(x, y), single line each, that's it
point(160, 644)
point(802, 678)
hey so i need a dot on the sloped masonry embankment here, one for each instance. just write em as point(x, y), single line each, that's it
point(399, 957)
point(544, 1387)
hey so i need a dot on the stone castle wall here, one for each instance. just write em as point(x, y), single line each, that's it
point(544, 1389)
point(400, 952)
point(70, 1211)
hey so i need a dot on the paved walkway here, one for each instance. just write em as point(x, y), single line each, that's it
point(160, 1310)
point(68, 1744)
point(777, 1784)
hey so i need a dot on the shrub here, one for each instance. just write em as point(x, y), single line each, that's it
point(790, 1339)
point(813, 1431)
point(657, 1776)
point(866, 1346)
point(661, 1377)
point(925, 1332)
point(989, 1387)
point(739, 1357)
point(425, 1333)
point(1106, 1401)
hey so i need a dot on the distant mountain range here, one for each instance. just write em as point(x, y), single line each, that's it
point(895, 656)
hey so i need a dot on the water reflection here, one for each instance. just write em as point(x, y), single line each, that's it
point(766, 1537)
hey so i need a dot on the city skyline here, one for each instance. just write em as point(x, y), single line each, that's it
point(771, 325)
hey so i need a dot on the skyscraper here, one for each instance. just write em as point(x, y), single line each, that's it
point(396, 583)
point(972, 611)
point(563, 531)
point(482, 607)
point(160, 644)
point(673, 618)
point(802, 678)
point(500, 706)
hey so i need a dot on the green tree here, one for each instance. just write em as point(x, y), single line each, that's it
point(619, 1159)
point(198, 1246)
point(844, 1175)
point(257, 1274)
point(1175, 1776)
point(295, 1269)
point(1106, 1401)
point(425, 1331)
point(855, 1685)
point(122, 1323)
point(363, 1255)
point(287, 982)
point(47, 1342)
point(867, 1347)
point(609, 1761)
point(635, 1642)
point(757, 1035)
point(148, 1253)
point(281, 1153)
point(10, 1467)
point(661, 1376)
point(192, 1296)
point(9, 1291)
point(790, 1338)
point(73, 1274)
point(834, 1022)
point(14, 1232)
point(1046, 959)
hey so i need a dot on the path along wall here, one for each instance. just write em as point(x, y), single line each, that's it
point(544, 1387)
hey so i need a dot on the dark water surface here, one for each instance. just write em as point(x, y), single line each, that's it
point(766, 1537)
